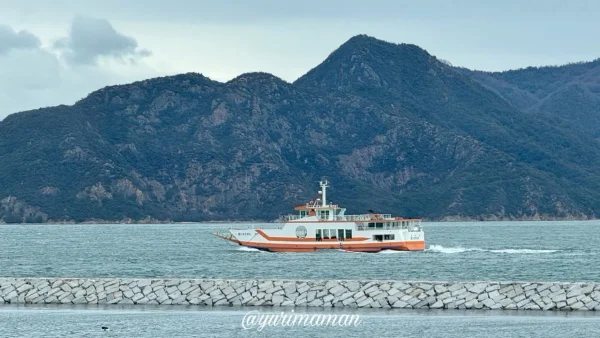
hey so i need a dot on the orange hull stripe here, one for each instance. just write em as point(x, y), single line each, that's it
point(374, 246)
point(306, 239)
point(301, 247)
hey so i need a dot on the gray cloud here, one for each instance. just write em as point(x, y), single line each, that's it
point(11, 39)
point(91, 38)
point(33, 76)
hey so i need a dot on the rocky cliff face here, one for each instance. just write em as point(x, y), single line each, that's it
point(394, 129)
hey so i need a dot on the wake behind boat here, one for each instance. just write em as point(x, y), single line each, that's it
point(319, 225)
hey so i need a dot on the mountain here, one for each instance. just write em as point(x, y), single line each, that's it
point(567, 95)
point(392, 127)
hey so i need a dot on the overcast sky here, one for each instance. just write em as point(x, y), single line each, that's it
point(57, 51)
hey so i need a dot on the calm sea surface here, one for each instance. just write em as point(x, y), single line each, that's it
point(150, 322)
point(524, 251)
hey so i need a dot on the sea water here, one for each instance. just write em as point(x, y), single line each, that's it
point(507, 251)
point(510, 251)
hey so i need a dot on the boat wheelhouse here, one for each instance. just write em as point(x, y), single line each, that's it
point(319, 225)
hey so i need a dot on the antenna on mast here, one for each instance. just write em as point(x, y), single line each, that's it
point(324, 184)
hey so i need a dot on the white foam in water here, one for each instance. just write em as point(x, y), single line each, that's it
point(245, 248)
point(439, 248)
point(392, 252)
point(525, 251)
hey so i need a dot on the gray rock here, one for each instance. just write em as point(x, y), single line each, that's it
point(316, 302)
point(346, 295)
point(171, 282)
point(444, 296)
point(365, 302)
point(180, 300)
point(338, 290)
point(574, 293)
point(67, 299)
point(372, 289)
point(440, 289)
point(518, 298)
point(265, 285)
point(507, 301)
point(79, 293)
point(142, 283)
point(183, 286)
point(400, 304)
point(469, 296)
point(488, 302)
point(277, 299)
point(137, 297)
point(301, 302)
point(400, 286)
point(163, 299)
point(348, 301)
point(352, 286)
point(112, 289)
point(328, 298)
point(492, 287)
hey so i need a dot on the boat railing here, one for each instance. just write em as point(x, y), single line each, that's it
point(364, 217)
point(412, 225)
point(253, 226)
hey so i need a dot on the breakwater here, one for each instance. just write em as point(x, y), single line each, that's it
point(315, 293)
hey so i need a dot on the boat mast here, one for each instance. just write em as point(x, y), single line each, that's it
point(324, 184)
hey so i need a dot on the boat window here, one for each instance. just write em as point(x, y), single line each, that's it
point(348, 233)
point(371, 225)
point(378, 238)
point(388, 237)
point(341, 234)
point(325, 233)
point(318, 235)
point(379, 225)
point(332, 234)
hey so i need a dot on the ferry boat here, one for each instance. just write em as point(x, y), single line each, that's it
point(319, 225)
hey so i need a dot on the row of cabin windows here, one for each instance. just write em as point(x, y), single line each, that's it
point(340, 234)
point(381, 238)
point(388, 225)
